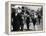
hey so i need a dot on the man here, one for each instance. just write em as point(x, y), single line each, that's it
point(15, 22)
point(20, 13)
point(27, 20)
point(20, 21)
point(39, 18)
point(39, 14)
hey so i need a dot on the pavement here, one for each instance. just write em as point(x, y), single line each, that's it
point(38, 27)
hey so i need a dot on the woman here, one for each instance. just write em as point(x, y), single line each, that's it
point(33, 17)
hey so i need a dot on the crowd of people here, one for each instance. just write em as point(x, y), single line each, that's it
point(21, 15)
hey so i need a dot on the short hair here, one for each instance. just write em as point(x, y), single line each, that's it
point(22, 7)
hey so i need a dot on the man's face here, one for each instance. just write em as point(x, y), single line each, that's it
point(19, 10)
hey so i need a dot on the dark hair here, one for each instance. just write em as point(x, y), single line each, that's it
point(27, 12)
point(22, 7)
